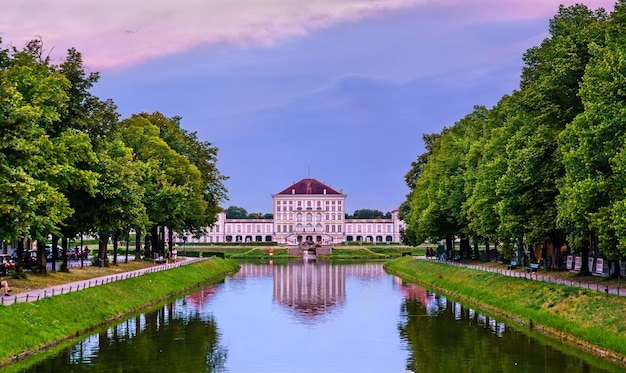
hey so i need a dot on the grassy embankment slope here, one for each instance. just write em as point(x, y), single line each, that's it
point(30, 327)
point(590, 319)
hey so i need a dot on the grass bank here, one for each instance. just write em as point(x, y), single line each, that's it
point(371, 252)
point(381, 251)
point(31, 327)
point(588, 319)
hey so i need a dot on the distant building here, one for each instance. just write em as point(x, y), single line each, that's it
point(308, 210)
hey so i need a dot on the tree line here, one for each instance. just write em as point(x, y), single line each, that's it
point(236, 212)
point(69, 166)
point(546, 166)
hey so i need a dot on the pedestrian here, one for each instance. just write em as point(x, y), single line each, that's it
point(174, 254)
point(5, 287)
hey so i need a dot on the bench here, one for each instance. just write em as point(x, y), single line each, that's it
point(533, 267)
point(512, 265)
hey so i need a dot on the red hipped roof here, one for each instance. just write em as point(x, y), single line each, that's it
point(309, 186)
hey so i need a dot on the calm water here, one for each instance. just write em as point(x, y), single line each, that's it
point(314, 317)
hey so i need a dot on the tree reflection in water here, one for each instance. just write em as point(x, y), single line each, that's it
point(175, 338)
point(446, 336)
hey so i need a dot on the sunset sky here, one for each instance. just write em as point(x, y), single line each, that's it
point(336, 90)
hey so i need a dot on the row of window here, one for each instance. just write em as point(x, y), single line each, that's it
point(288, 228)
point(308, 203)
point(288, 205)
point(269, 238)
point(290, 208)
point(258, 228)
point(308, 217)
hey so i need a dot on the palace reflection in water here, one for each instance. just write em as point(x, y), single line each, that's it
point(310, 288)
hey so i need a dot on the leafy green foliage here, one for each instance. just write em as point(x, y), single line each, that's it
point(545, 163)
point(68, 166)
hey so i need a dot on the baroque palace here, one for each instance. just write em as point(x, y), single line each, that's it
point(307, 211)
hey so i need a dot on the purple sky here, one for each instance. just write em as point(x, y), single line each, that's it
point(337, 90)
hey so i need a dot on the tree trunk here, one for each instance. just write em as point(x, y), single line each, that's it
point(155, 237)
point(19, 264)
point(584, 253)
point(450, 247)
point(138, 244)
point(162, 241)
point(464, 245)
point(102, 250)
point(556, 251)
point(488, 254)
point(55, 252)
point(127, 245)
point(476, 252)
point(520, 252)
point(41, 258)
point(116, 238)
point(147, 247)
point(64, 266)
point(170, 238)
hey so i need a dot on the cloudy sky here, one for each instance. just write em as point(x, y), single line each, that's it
point(336, 90)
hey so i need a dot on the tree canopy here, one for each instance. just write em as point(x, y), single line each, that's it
point(69, 166)
point(544, 165)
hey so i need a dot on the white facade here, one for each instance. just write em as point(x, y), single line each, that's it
point(306, 211)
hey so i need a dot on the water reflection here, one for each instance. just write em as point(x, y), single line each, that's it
point(310, 289)
point(444, 335)
point(179, 337)
point(315, 317)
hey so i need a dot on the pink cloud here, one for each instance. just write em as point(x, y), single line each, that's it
point(119, 33)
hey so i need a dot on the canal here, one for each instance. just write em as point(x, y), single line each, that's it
point(313, 316)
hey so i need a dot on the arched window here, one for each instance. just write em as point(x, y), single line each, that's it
point(309, 217)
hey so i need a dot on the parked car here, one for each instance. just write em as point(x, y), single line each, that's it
point(49, 252)
point(78, 253)
point(29, 258)
point(25, 254)
point(6, 264)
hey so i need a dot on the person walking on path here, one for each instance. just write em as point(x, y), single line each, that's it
point(5, 288)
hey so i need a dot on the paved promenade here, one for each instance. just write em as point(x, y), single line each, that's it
point(35, 295)
point(538, 276)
